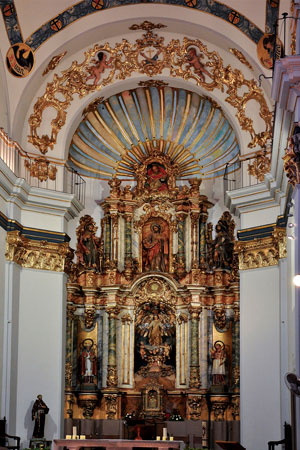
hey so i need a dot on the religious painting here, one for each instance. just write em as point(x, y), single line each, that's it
point(269, 47)
point(157, 178)
point(155, 245)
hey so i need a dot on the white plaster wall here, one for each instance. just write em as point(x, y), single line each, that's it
point(260, 357)
point(41, 344)
point(2, 293)
point(259, 217)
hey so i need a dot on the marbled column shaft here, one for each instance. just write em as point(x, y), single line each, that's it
point(236, 350)
point(112, 342)
point(202, 240)
point(128, 237)
point(194, 365)
point(107, 245)
point(180, 227)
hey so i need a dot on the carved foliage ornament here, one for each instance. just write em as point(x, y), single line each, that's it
point(292, 160)
point(153, 290)
point(41, 169)
point(149, 56)
point(36, 254)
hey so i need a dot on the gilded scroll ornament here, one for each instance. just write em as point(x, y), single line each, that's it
point(111, 405)
point(260, 166)
point(41, 169)
point(153, 83)
point(291, 163)
point(195, 404)
point(241, 57)
point(149, 55)
point(262, 252)
point(235, 407)
point(54, 62)
point(36, 254)
point(219, 407)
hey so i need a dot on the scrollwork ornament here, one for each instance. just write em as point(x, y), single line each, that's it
point(112, 376)
point(235, 407)
point(89, 408)
point(194, 404)
point(89, 315)
point(218, 409)
point(150, 56)
point(111, 405)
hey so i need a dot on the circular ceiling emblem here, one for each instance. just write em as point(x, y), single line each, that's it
point(20, 60)
point(56, 24)
point(191, 3)
point(97, 4)
point(8, 10)
point(234, 17)
point(266, 48)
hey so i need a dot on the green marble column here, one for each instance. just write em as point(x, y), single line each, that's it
point(181, 229)
point(202, 239)
point(107, 243)
point(236, 350)
point(112, 376)
point(128, 236)
point(194, 364)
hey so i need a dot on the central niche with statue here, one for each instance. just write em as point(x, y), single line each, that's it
point(153, 308)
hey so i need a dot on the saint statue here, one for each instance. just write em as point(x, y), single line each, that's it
point(157, 249)
point(88, 361)
point(218, 355)
point(156, 178)
point(88, 245)
point(155, 331)
point(39, 410)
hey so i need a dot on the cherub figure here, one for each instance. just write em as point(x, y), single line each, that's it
point(99, 67)
point(194, 61)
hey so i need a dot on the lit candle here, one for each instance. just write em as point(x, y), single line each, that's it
point(68, 436)
point(171, 438)
point(158, 438)
point(82, 436)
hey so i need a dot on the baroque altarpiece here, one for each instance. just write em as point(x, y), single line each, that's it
point(153, 305)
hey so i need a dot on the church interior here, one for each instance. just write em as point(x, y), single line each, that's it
point(149, 205)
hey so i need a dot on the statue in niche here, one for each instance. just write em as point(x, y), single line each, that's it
point(155, 329)
point(155, 246)
point(88, 245)
point(39, 410)
point(224, 242)
point(152, 399)
point(218, 355)
point(156, 180)
point(88, 361)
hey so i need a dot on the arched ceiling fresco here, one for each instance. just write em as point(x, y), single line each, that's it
point(119, 132)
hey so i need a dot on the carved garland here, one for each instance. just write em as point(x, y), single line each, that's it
point(127, 58)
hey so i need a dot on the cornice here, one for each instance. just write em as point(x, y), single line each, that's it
point(35, 254)
point(262, 252)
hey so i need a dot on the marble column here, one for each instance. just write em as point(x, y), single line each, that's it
point(202, 239)
point(112, 376)
point(194, 239)
point(194, 362)
point(236, 349)
point(107, 243)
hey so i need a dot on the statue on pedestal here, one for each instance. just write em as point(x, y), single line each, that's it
point(39, 410)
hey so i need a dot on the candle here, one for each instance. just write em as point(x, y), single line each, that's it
point(74, 431)
point(165, 432)
point(68, 436)
point(171, 438)
point(158, 438)
point(164, 438)
point(74, 436)
point(82, 436)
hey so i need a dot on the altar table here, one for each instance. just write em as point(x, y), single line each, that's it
point(76, 444)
